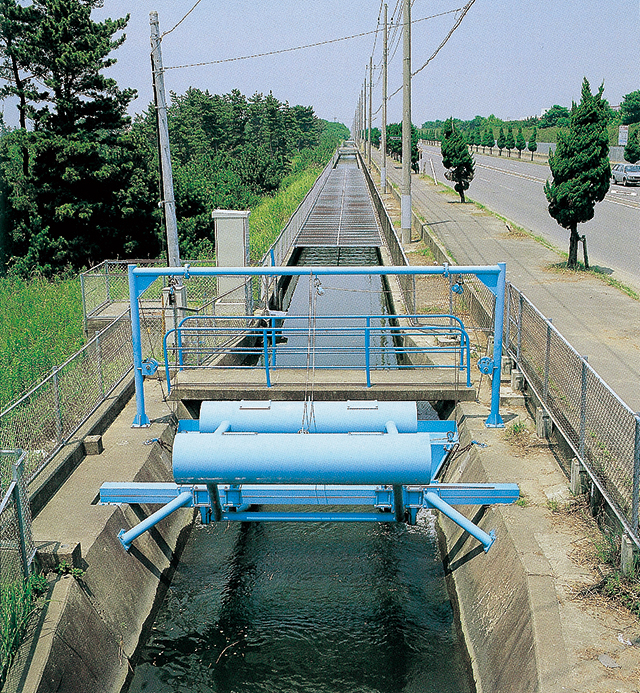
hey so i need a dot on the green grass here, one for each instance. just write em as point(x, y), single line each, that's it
point(18, 602)
point(40, 327)
point(271, 215)
point(599, 274)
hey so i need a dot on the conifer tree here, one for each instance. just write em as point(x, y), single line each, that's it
point(533, 145)
point(488, 140)
point(520, 143)
point(477, 138)
point(510, 142)
point(501, 141)
point(456, 159)
point(632, 148)
point(580, 167)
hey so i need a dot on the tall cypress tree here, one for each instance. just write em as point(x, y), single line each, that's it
point(510, 142)
point(501, 141)
point(520, 143)
point(533, 145)
point(457, 159)
point(488, 140)
point(632, 148)
point(580, 167)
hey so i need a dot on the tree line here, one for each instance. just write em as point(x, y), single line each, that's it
point(79, 177)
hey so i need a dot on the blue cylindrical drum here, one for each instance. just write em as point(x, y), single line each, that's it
point(284, 458)
point(323, 417)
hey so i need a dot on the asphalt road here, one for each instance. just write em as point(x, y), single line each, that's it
point(513, 188)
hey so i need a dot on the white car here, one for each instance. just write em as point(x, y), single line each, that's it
point(627, 174)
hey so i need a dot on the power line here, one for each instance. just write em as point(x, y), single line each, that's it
point(296, 48)
point(182, 20)
point(465, 9)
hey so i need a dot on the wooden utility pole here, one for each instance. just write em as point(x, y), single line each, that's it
point(383, 142)
point(405, 199)
point(168, 198)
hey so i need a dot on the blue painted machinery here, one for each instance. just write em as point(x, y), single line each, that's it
point(240, 455)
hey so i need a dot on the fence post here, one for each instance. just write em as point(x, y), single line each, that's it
point(85, 324)
point(547, 357)
point(99, 359)
point(519, 352)
point(583, 409)
point(56, 394)
point(22, 525)
point(635, 502)
point(107, 280)
point(507, 318)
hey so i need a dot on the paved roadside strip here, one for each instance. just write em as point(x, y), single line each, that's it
point(598, 320)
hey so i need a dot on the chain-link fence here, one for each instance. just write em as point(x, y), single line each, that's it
point(46, 417)
point(107, 286)
point(16, 544)
point(600, 428)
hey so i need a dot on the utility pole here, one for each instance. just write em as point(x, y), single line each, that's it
point(405, 199)
point(364, 115)
point(168, 201)
point(383, 143)
point(370, 105)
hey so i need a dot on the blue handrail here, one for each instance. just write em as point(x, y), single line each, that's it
point(270, 332)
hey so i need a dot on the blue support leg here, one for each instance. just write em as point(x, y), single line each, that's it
point(485, 539)
point(127, 537)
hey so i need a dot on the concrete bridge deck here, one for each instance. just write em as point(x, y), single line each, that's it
point(413, 385)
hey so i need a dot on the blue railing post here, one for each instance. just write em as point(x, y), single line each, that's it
point(265, 347)
point(141, 419)
point(495, 420)
point(367, 350)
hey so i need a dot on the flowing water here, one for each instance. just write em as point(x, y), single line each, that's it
point(309, 607)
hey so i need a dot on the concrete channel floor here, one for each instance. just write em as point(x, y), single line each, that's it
point(598, 320)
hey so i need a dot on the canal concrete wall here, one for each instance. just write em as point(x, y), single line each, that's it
point(93, 622)
point(526, 627)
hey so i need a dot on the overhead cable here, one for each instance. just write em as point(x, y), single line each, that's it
point(296, 48)
point(182, 20)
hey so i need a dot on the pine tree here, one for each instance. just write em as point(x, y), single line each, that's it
point(580, 167)
point(632, 148)
point(501, 141)
point(510, 142)
point(488, 140)
point(456, 159)
point(520, 143)
point(533, 145)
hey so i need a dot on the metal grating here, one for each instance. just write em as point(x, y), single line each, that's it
point(343, 215)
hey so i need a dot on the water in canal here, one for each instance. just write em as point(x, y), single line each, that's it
point(309, 607)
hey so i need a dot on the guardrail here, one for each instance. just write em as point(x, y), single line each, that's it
point(602, 431)
point(329, 342)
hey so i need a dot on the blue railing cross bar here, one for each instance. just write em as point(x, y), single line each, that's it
point(492, 276)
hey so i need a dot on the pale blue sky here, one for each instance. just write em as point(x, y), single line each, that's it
point(508, 58)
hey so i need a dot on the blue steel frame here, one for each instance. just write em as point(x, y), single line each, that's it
point(492, 276)
point(270, 334)
point(234, 502)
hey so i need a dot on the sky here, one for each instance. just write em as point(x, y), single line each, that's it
point(512, 59)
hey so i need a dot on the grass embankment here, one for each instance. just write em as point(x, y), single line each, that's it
point(40, 327)
point(270, 216)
